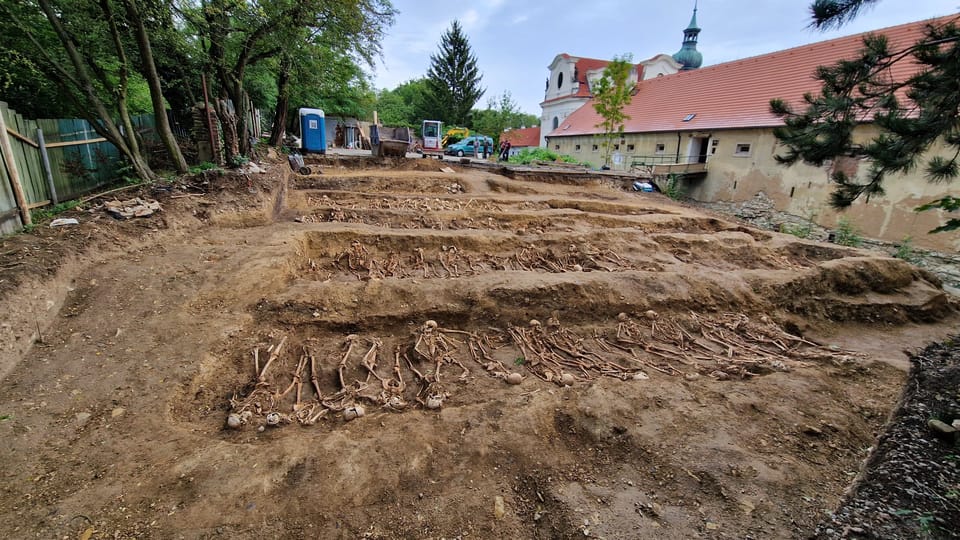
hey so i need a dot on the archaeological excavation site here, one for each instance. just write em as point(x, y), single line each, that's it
point(414, 348)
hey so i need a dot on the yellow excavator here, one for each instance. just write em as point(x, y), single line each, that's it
point(453, 135)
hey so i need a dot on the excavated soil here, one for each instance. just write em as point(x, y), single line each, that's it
point(677, 375)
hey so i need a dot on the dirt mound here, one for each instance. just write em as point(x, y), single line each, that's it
point(373, 352)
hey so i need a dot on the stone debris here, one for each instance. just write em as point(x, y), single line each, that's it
point(254, 168)
point(60, 222)
point(941, 427)
point(132, 208)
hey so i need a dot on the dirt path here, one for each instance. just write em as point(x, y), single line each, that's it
point(692, 408)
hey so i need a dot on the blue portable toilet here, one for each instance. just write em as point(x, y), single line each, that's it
point(313, 131)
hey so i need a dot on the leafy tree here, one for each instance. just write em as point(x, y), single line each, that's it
point(405, 105)
point(87, 49)
point(914, 114)
point(611, 94)
point(500, 114)
point(453, 80)
point(392, 110)
point(321, 66)
point(238, 34)
point(148, 68)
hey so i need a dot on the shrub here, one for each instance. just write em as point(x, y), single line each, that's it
point(529, 155)
point(673, 189)
point(847, 234)
point(800, 231)
point(906, 252)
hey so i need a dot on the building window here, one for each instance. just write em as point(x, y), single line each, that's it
point(616, 147)
point(556, 147)
point(661, 148)
point(713, 146)
point(595, 148)
point(556, 122)
point(743, 149)
point(560, 80)
point(630, 148)
point(576, 148)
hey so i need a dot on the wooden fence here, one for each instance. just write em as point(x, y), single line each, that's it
point(77, 161)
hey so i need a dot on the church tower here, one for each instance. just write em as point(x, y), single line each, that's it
point(688, 55)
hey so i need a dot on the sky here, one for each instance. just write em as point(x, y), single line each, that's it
point(515, 40)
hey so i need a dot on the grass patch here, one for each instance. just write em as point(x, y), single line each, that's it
point(49, 212)
point(529, 155)
point(847, 234)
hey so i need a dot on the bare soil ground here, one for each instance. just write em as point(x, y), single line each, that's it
point(680, 375)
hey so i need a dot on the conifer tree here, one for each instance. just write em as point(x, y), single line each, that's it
point(914, 114)
point(453, 80)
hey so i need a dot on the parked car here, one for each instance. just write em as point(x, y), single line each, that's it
point(466, 147)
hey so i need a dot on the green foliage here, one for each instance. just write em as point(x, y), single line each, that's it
point(862, 87)
point(806, 229)
point(43, 214)
point(835, 13)
point(500, 114)
point(529, 155)
point(847, 234)
point(673, 189)
point(905, 251)
point(453, 79)
point(520, 361)
point(800, 231)
point(205, 166)
point(947, 204)
point(611, 94)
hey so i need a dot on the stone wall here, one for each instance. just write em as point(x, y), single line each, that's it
point(761, 212)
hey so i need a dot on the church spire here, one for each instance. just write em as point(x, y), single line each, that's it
point(688, 55)
point(692, 27)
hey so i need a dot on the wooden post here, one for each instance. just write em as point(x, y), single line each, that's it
point(14, 174)
point(45, 159)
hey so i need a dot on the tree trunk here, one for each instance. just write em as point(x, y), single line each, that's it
point(240, 109)
point(228, 121)
point(156, 94)
point(83, 82)
point(283, 102)
point(129, 130)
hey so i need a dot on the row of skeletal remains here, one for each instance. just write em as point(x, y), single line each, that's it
point(451, 262)
point(418, 204)
point(721, 347)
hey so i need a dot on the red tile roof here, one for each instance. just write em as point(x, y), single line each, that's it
point(737, 94)
point(583, 66)
point(522, 137)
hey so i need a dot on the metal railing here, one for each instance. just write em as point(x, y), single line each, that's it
point(660, 159)
point(664, 164)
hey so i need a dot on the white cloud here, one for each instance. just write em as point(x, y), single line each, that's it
point(470, 19)
point(517, 19)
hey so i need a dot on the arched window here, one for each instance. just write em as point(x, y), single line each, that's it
point(560, 80)
point(556, 122)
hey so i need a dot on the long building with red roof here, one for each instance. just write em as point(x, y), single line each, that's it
point(716, 122)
